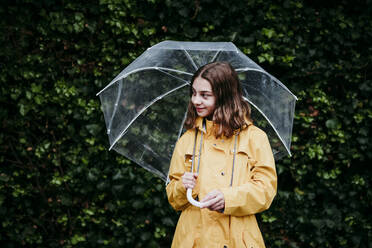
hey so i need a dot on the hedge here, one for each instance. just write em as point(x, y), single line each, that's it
point(61, 187)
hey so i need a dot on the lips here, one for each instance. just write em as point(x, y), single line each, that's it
point(199, 109)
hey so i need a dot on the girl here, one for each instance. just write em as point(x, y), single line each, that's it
point(226, 160)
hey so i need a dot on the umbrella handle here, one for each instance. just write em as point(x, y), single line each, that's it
point(192, 201)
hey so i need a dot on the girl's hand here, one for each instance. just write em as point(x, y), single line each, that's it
point(189, 180)
point(214, 201)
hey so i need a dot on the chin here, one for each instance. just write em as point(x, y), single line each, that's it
point(209, 117)
point(201, 114)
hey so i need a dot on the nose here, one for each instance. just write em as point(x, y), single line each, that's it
point(195, 100)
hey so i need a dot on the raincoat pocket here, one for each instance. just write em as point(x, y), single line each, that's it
point(249, 241)
point(214, 215)
point(245, 164)
point(242, 155)
point(188, 162)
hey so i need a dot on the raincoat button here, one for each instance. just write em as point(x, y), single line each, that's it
point(222, 174)
point(224, 246)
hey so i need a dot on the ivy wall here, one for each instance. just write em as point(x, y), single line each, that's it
point(61, 187)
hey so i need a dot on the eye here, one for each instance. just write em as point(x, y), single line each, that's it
point(206, 95)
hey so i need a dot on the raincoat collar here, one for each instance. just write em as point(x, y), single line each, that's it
point(208, 125)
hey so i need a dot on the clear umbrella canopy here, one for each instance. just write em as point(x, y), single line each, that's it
point(145, 105)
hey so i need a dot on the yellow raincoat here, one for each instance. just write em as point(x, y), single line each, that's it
point(253, 189)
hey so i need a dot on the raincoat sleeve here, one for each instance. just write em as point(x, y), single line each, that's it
point(176, 192)
point(258, 193)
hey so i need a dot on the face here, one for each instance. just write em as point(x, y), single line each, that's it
point(203, 98)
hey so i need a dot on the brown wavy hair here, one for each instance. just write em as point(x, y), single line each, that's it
point(231, 109)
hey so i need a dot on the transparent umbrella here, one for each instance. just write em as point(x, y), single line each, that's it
point(145, 105)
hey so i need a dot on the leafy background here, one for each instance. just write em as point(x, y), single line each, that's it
point(61, 187)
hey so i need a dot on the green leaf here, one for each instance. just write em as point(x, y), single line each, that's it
point(332, 123)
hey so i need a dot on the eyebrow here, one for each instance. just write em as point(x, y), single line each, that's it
point(202, 91)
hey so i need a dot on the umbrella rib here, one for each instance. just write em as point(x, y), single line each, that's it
point(143, 69)
point(248, 86)
point(183, 80)
point(118, 97)
point(189, 57)
point(264, 72)
point(142, 110)
point(276, 131)
point(115, 107)
point(183, 121)
point(215, 56)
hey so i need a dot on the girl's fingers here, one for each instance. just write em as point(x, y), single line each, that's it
point(189, 176)
point(206, 198)
point(217, 205)
point(209, 202)
point(209, 196)
point(189, 180)
point(214, 200)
